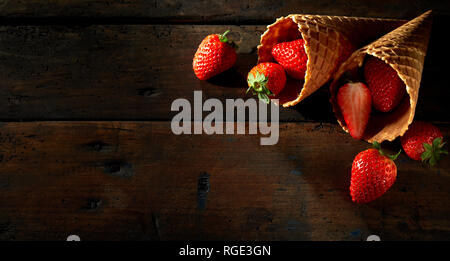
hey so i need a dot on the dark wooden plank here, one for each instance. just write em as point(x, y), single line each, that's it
point(234, 11)
point(116, 72)
point(136, 180)
point(135, 72)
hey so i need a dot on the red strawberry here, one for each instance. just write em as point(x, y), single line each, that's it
point(266, 79)
point(386, 87)
point(214, 56)
point(423, 141)
point(292, 56)
point(355, 103)
point(373, 173)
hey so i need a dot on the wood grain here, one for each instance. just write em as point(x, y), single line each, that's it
point(136, 180)
point(232, 11)
point(111, 169)
point(135, 72)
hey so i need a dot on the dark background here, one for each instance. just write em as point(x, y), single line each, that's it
point(86, 146)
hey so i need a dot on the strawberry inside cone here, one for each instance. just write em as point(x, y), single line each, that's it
point(386, 87)
point(285, 31)
point(290, 91)
point(355, 103)
point(366, 110)
point(292, 56)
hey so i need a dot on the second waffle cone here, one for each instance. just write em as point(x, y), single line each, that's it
point(329, 40)
point(403, 49)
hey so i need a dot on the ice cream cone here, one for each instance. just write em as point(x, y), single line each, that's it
point(329, 40)
point(404, 49)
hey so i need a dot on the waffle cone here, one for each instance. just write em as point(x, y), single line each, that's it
point(404, 49)
point(329, 40)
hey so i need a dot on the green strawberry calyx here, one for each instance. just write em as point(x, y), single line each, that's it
point(377, 146)
point(224, 39)
point(434, 151)
point(258, 85)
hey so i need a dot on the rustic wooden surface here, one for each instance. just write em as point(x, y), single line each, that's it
point(231, 11)
point(133, 72)
point(86, 146)
point(136, 180)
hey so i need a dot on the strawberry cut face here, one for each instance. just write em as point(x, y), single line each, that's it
point(355, 103)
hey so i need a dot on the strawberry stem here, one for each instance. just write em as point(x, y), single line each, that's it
point(224, 39)
point(377, 146)
point(394, 157)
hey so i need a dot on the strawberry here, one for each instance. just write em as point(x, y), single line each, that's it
point(266, 79)
point(355, 103)
point(373, 173)
point(214, 56)
point(292, 56)
point(423, 141)
point(386, 87)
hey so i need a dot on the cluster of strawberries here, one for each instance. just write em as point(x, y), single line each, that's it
point(373, 172)
point(384, 92)
point(217, 54)
point(269, 78)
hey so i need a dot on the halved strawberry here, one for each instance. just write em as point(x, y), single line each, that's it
point(355, 102)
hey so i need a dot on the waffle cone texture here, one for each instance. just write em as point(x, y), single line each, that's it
point(329, 41)
point(404, 49)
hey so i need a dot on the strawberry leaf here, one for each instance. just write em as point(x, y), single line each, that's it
point(427, 146)
point(394, 157)
point(377, 146)
point(433, 152)
point(267, 91)
point(251, 78)
point(264, 97)
point(258, 84)
point(426, 155)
